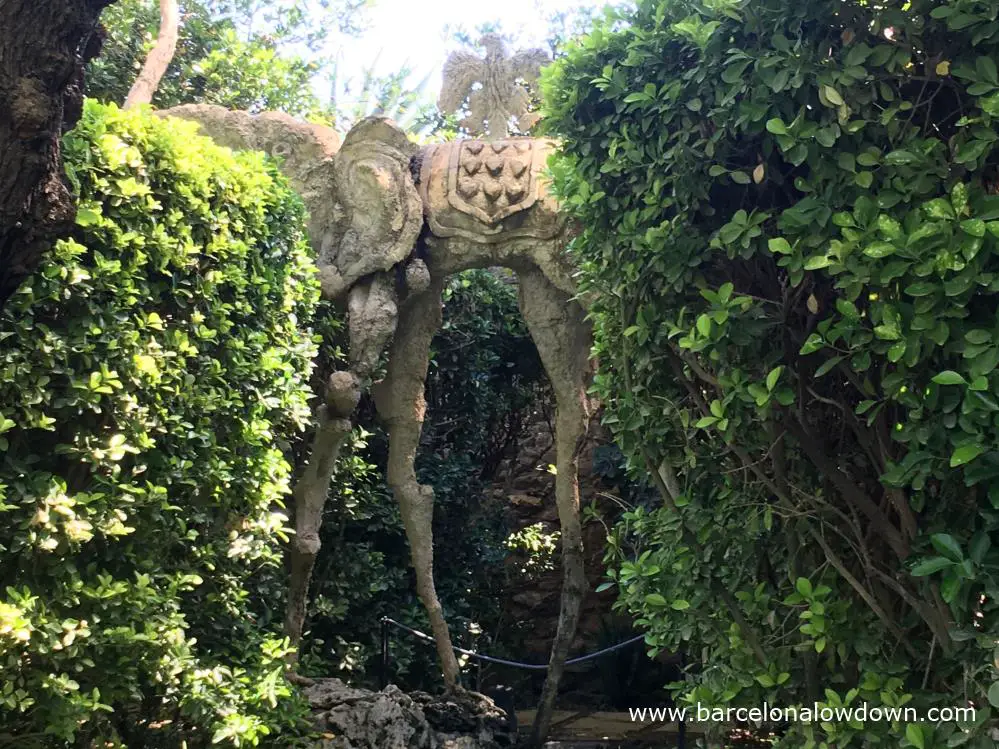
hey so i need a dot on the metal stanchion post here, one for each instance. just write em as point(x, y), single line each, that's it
point(383, 674)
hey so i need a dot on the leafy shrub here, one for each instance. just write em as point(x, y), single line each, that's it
point(147, 372)
point(213, 64)
point(790, 240)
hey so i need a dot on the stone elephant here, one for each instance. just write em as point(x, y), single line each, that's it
point(389, 222)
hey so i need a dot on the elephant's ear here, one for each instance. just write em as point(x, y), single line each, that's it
point(382, 211)
point(304, 151)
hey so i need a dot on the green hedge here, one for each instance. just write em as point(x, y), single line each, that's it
point(790, 228)
point(151, 373)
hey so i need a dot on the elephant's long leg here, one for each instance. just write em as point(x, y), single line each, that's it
point(342, 394)
point(372, 321)
point(400, 402)
point(563, 337)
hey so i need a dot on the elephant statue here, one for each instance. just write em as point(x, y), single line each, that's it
point(389, 222)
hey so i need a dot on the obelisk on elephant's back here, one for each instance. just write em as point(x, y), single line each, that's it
point(492, 93)
point(487, 196)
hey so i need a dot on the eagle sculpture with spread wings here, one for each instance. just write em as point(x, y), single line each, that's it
point(493, 86)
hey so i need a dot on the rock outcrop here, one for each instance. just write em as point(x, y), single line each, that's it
point(391, 719)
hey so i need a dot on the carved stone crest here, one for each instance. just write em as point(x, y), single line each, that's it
point(493, 180)
point(488, 191)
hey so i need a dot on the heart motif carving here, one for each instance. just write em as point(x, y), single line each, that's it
point(493, 191)
point(468, 188)
point(515, 194)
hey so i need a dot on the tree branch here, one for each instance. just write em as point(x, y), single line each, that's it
point(159, 58)
point(848, 490)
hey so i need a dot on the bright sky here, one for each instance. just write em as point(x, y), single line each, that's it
point(415, 32)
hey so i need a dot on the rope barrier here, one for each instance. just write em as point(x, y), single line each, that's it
point(388, 622)
point(503, 662)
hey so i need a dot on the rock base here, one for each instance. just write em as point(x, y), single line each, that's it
point(391, 719)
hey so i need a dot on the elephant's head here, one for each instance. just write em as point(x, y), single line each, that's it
point(379, 209)
point(364, 211)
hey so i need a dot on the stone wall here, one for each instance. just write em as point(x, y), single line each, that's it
point(527, 488)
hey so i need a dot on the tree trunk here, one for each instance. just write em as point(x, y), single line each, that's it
point(159, 57)
point(44, 45)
